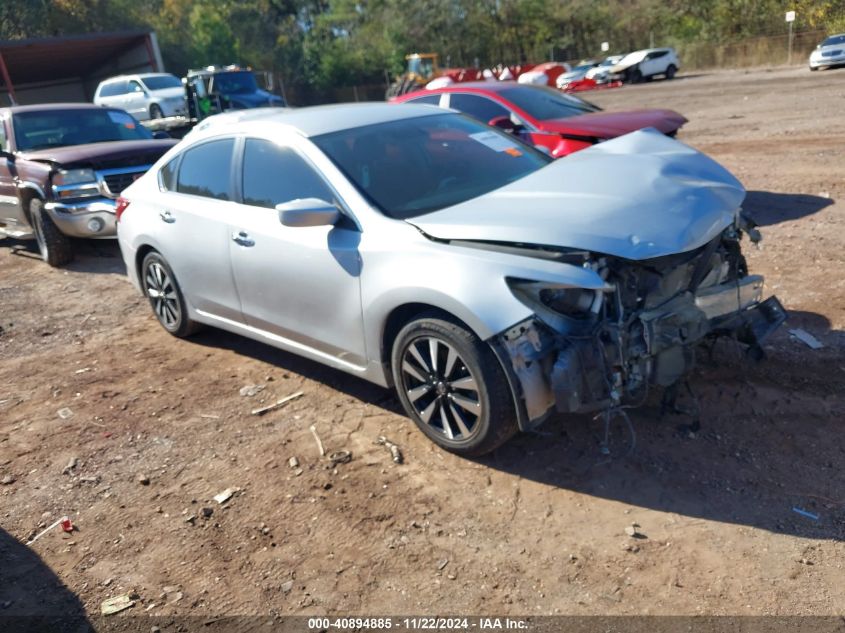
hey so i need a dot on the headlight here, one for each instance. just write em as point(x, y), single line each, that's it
point(567, 309)
point(74, 176)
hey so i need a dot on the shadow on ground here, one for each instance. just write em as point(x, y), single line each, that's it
point(770, 439)
point(90, 256)
point(768, 207)
point(32, 598)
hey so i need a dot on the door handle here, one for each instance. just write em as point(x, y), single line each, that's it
point(241, 237)
point(166, 216)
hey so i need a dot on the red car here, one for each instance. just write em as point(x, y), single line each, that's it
point(545, 117)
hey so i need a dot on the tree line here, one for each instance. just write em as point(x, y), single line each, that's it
point(319, 45)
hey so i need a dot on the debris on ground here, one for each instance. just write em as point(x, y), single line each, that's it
point(66, 525)
point(808, 339)
point(395, 453)
point(116, 604)
point(804, 513)
point(71, 464)
point(65, 413)
point(633, 531)
point(441, 565)
point(293, 462)
point(276, 405)
point(287, 586)
point(63, 522)
point(340, 457)
point(143, 479)
point(322, 450)
point(7, 480)
point(224, 496)
point(250, 390)
point(207, 512)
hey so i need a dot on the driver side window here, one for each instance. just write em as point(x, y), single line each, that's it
point(273, 174)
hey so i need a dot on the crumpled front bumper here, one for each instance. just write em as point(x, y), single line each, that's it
point(90, 218)
point(613, 365)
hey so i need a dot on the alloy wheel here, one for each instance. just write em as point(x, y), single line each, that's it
point(440, 387)
point(162, 294)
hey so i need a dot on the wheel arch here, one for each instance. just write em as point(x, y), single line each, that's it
point(140, 254)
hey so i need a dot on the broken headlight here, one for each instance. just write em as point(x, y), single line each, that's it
point(567, 309)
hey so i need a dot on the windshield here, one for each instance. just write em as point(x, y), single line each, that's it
point(834, 40)
point(423, 66)
point(415, 166)
point(161, 82)
point(544, 103)
point(59, 128)
point(235, 83)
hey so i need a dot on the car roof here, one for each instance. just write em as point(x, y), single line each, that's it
point(325, 119)
point(46, 107)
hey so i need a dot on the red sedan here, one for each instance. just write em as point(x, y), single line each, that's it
point(560, 122)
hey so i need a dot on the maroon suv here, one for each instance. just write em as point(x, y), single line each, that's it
point(62, 168)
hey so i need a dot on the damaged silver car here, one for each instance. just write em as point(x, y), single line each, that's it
point(490, 285)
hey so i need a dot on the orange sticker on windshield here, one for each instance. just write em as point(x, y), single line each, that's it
point(512, 151)
point(130, 125)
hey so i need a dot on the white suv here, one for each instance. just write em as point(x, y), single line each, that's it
point(147, 96)
point(647, 63)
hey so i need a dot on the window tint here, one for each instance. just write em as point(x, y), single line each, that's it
point(206, 170)
point(430, 99)
point(657, 54)
point(480, 108)
point(134, 86)
point(113, 89)
point(160, 82)
point(545, 103)
point(273, 175)
point(168, 175)
point(3, 143)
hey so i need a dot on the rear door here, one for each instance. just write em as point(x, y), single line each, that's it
point(192, 225)
point(113, 94)
point(298, 283)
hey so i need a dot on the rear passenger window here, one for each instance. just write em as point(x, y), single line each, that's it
point(206, 170)
point(273, 175)
point(168, 175)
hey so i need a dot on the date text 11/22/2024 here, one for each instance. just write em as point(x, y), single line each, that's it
point(424, 623)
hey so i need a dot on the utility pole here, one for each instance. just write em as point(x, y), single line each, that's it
point(790, 18)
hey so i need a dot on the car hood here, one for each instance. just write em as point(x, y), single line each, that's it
point(613, 124)
point(169, 93)
point(830, 48)
point(640, 196)
point(104, 154)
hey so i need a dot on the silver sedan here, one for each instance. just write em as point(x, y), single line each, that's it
point(420, 249)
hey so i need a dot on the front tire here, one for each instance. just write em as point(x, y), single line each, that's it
point(670, 71)
point(166, 299)
point(55, 247)
point(452, 386)
point(635, 76)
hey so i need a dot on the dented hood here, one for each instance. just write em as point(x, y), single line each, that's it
point(639, 196)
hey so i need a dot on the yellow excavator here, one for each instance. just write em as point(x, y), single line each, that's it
point(422, 68)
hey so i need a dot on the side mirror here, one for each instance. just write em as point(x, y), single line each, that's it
point(160, 134)
point(308, 212)
point(503, 123)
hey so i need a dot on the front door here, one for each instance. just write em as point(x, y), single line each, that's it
point(299, 283)
point(11, 212)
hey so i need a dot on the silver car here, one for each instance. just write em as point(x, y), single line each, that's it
point(421, 249)
point(831, 52)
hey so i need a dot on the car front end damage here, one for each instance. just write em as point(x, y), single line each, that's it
point(593, 350)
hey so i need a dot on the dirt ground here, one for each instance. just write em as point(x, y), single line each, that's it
point(95, 396)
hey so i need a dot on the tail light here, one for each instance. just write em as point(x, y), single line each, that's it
point(120, 207)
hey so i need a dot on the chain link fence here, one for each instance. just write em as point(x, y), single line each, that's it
point(771, 50)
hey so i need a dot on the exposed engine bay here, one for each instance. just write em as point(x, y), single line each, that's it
point(592, 350)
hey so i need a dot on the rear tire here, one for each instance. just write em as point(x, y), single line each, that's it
point(452, 386)
point(55, 247)
point(814, 68)
point(670, 71)
point(155, 112)
point(635, 76)
point(165, 296)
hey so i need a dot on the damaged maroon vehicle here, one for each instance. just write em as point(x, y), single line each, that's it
point(62, 168)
